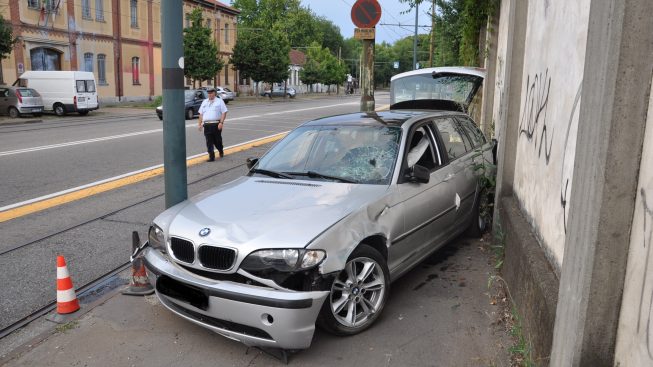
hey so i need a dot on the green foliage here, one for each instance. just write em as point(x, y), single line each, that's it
point(264, 58)
point(7, 39)
point(322, 67)
point(201, 60)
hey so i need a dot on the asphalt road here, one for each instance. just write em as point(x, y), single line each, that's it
point(94, 233)
point(45, 158)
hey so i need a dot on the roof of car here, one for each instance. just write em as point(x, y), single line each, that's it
point(381, 118)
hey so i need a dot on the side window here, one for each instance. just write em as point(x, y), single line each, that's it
point(478, 139)
point(421, 149)
point(452, 138)
point(81, 86)
point(3, 93)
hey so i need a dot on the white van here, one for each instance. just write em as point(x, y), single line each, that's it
point(63, 91)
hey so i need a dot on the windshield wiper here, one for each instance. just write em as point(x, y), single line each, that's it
point(274, 174)
point(313, 174)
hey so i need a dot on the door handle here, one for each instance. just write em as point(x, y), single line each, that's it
point(448, 177)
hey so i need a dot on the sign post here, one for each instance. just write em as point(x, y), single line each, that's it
point(366, 14)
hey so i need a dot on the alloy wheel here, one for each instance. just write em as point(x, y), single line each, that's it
point(358, 292)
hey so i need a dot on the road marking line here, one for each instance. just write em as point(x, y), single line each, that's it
point(17, 210)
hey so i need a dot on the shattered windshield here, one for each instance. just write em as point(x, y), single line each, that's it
point(361, 154)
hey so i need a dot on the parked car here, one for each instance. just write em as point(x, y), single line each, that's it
point(63, 91)
point(325, 220)
point(279, 92)
point(16, 101)
point(193, 99)
point(224, 93)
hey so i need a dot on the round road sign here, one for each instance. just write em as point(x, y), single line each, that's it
point(366, 13)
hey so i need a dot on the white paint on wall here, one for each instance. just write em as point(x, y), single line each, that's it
point(635, 333)
point(502, 70)
point(554, 57)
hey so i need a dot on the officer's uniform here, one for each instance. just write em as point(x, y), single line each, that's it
point(211, 112)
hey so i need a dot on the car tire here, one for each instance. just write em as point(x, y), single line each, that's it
point(189, 114)
point(349, 295)
point(479, 223)
point(59, 109)
point(160, 117)
point(226, 102)
point(83, 113)
point(14, 113)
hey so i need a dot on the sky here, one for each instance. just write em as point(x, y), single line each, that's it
point(339, 12)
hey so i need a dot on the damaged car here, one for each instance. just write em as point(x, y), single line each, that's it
point(325, 221)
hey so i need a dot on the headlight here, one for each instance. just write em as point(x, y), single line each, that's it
point(283, 259)
point(155, 237)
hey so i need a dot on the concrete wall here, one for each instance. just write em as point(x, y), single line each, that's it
point(635, 335)
point(553, 70)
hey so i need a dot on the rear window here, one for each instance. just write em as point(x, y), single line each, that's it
point(25, 92)
point(85, 86)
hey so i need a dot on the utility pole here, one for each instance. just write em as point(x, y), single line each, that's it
point(431, 47)
point(415, 39)
point(174, 125)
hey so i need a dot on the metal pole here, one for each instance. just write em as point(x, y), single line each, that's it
point(367, 77)
point(415, 39)
point(174, 129)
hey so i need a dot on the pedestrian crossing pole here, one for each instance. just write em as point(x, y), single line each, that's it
point(174, 125)
point(365, 14)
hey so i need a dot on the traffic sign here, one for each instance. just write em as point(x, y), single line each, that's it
point(366, 13)
point(364, 33)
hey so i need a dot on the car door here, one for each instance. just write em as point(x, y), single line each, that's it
point(4, 101)
point(428, 207)
point(461, 159)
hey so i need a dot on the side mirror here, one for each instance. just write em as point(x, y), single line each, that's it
point(251, 162)
point(418, 174)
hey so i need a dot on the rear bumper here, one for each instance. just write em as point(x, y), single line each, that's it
point(30, 109)
point(72, 108)
point(253, 315)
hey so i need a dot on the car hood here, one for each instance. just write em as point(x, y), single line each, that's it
point(259, 212)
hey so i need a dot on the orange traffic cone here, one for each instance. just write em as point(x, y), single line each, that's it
point(66, 299)
point(139, 285)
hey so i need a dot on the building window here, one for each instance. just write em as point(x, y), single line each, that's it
point(99, 10)
point(136, 70)
point(133, 6)
point(34, 4)
point(208, 23)
point(88, 62)
point(226, 34)
point(226, 74)
point(86, 9)
point(102, 69)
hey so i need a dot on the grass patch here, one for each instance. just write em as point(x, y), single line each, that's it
point(521, 351)
point(67, 327)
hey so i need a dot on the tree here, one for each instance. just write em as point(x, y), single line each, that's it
point(263, 58)
point(7, 42)
point(322, 67)
point(201, 60)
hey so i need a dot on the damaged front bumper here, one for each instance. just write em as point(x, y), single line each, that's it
point(254, 315)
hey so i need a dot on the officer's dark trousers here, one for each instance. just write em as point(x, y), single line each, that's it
point(213, 139)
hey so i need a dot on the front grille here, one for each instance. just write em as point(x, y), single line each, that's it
point(218, 258)
point(183, 250)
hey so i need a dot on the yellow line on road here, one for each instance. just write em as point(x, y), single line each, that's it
point(142, 176)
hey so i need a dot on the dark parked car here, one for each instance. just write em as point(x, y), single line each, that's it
point(327, 218)
point(16, 101)
point(193, 101)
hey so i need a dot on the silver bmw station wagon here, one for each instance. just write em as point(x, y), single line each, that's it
point(323, 223)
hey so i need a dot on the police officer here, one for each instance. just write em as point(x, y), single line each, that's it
point(213, 112)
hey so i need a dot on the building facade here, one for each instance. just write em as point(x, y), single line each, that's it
point(118, 40)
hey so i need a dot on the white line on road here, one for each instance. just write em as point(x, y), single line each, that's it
point(113, 137)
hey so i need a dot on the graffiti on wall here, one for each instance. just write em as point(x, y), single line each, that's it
point(567, 169)
point(645, 313)
point(532, 123)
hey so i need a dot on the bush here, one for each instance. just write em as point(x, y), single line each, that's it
point(158, 101)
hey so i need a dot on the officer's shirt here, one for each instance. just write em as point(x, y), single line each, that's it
point(212, 110)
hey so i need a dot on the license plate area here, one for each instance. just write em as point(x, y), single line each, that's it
point(182, 292)
point(81, 99)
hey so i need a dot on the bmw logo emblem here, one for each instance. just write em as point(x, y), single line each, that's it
point(205, 232)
